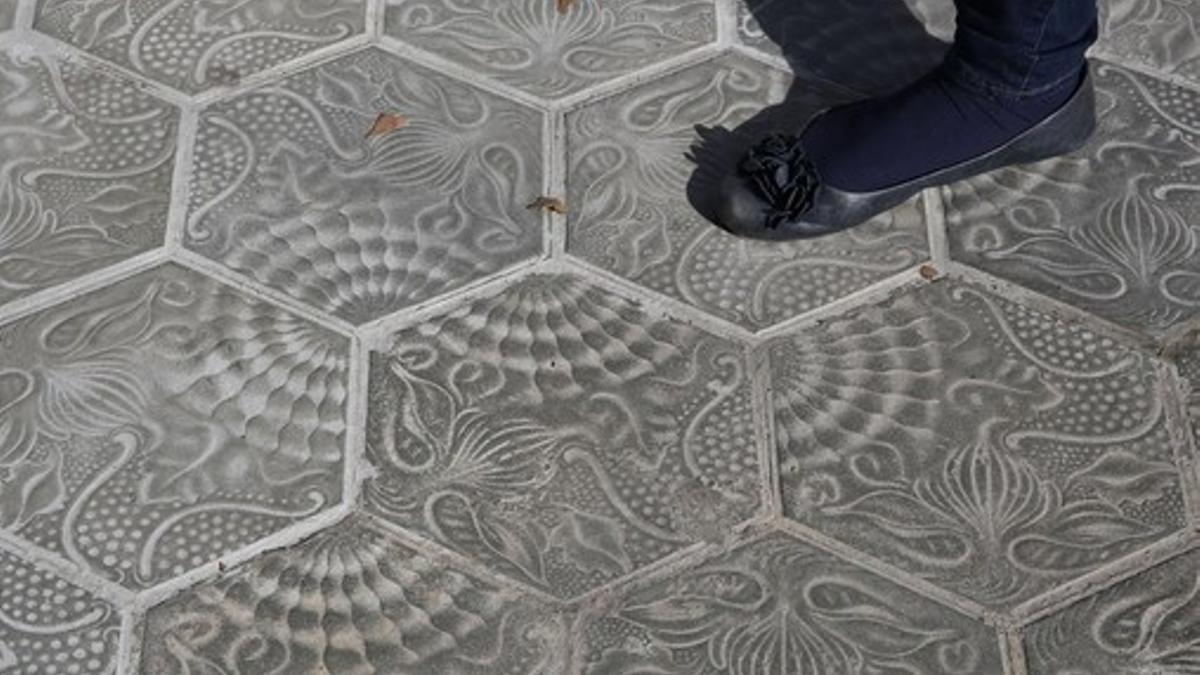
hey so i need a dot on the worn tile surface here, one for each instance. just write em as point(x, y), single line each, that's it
point(532, 45)
point(641, 178)
point(985, 446)
point(781, 607)
point(559, 434)
point(352, 600)
point(1146, 625)
point(48, 625)
point(156, 424)
point(1115, 227)
point(294, 380)
point(194, 45)
point(287, 188)
point(85, 170)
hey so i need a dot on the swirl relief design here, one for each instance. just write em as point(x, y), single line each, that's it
point(286, 189)
point(152, 426)
point(984, 446)
point(637, 164)
point(560, 435)
point(1161, 34)
point(780, 607)
point(352, 600)
point(1147, 624)
point(85, 170)
point(194, 45)
point(531, 45)
point(1113, 228)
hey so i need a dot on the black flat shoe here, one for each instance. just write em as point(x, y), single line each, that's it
point(776, 193)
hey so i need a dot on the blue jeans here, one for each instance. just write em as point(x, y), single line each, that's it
point(1014, 48)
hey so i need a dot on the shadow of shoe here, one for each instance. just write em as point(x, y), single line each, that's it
point(839, 51)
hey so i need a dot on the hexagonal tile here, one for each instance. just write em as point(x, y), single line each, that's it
point(641, 176)
point(1160, 35)
point(985, 446)
point(533, 46)
point(289, 189)
point(781, 607)
point(48, 625)
point(163, 421)
point(1111, 228)
point(560, 435)
point(194, 45)
point(85, 170)
point(1146, 625)
point(840, 40)
point(353, 600)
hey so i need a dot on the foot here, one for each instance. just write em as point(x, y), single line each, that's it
point(858, 160)
point(929, 125)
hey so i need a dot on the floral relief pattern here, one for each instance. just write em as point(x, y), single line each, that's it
point(352, 600)
point(1112, 228)
point(85, 170)
point(531, 45)
point(984, 446)
point(635, 163)
point(558, 434)
point(194, 45)
point(152, 426)
point(1161, 34)
point(49, 626)
point(1146, 625)
point(288, 190)
point(780, 607)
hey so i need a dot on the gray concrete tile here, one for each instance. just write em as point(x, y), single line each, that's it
point(560, 435)
point(51, 627)
point(781, 607)
point(641, 182)
point(85, 170)
point(1146, 625)
point(158, 423)
point(195, 45)
point(987, 447)
point(8, 12)
point(288, 189)
point(533, 46)
point(1157, 34)
point(352, 600)
point(1112, 228)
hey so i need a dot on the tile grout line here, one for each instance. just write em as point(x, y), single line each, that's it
point(727, 22)
point(90, 282)
point(129, 642)
point(1012, 652)
point(554, 159)
point(355, 467)
point(375, 13)
point(234, 279)
point(935, 223)
point(1082, 587)
point(895, 575)
point(654, 302)
point(763, 414)
point(1170, 389)
point(376, 331)
point(24, 17)
point(289, 536)
point(51, 561)
point(876, 293)
point(185, 144)
point(283, 71)
point(1103, 55)
point(657, 71)
point(1062, 311)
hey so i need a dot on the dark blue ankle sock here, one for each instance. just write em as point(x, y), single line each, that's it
point(929, 125)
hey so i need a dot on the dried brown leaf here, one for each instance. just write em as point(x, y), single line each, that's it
point(551, 204)
point(928, 272)
point(387, 123)
point(564, 5)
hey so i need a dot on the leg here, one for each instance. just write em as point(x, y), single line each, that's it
point(1013, 62)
